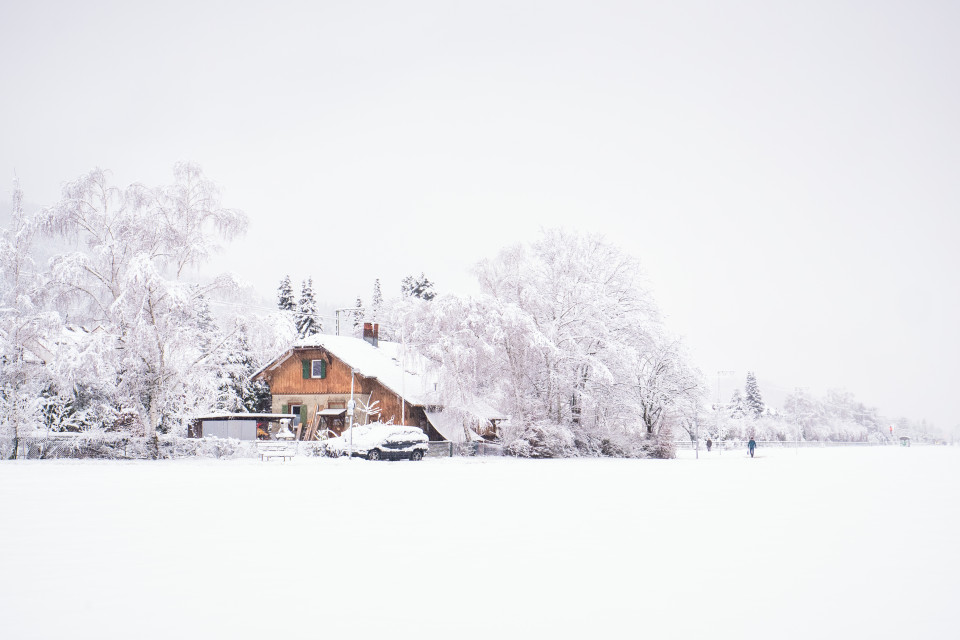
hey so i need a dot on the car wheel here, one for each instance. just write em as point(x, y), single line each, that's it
point(416, 455)
point(374, 454)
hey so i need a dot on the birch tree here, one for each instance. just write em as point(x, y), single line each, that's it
point(24, 322)
point(129, 280)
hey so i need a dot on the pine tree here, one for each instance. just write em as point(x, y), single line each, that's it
point(308, 322)
point(206, 327)
point(754, 400)
point(377, 301)
point(418, 287)
point(236, 392)
point(738, 408)
point(285, 299)
point(358, 317)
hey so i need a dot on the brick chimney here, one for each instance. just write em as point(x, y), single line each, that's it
point(371, 332)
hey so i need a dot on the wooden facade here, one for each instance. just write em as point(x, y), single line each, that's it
point(295, 381)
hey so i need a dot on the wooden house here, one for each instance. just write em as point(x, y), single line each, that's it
point(315, 379)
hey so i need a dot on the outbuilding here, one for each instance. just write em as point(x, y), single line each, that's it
point(240, 426)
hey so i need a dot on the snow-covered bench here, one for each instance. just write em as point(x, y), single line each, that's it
point(285, 450)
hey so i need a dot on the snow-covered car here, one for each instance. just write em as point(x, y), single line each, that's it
point(378, 441)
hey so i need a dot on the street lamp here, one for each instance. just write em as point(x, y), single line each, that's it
point(350, 407)
point(796, 416)
point(722, 372)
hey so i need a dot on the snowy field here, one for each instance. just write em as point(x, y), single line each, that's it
point(820, 543)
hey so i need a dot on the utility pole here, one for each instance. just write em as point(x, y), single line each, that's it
point(337, 313)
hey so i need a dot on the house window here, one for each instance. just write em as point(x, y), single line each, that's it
point(295, 410)
point(318, 368)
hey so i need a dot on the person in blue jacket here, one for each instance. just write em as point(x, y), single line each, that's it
point(751, 446)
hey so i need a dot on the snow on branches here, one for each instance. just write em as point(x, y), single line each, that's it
point(126, 284)
point(565, 331)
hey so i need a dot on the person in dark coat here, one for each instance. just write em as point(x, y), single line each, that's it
point(751, 446)
point(709, 444)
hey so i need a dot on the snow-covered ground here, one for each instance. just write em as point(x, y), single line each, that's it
point(820, 543)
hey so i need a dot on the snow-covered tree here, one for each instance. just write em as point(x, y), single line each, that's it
point(666, 387)
point(358, 317)
point(419, 287)
point(24, 324)
point(376, 304)
point(285, 299)
point(567, 339)
point(753, 400)
point(127, 282)
point(738, 406)
point(308, 322)
point(237, 392)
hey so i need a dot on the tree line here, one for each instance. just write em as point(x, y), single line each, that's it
point(565, 336)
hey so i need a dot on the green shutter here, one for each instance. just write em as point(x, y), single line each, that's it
point(323, 368)
point(285, 408)
point(303, 415)
point(306, 368)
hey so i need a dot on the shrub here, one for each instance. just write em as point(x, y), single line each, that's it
point(542, 440)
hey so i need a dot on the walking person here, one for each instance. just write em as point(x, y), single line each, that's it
point(709, 444)
point(751, 446)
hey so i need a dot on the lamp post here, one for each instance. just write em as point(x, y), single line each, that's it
point(350, 407)
point(697, 436)
point(722, 372)
point(796, 416)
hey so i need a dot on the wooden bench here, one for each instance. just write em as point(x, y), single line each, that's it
point(285, 450)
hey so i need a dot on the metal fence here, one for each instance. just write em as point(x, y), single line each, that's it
point(785, 444)
point(122, 447)
point(444, 449)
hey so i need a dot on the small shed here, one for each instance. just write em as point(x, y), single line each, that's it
point(904, 441)
point(240, 426)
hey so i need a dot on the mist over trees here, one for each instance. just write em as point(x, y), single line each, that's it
point(836, 417)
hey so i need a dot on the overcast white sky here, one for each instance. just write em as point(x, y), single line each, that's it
point(788, 173)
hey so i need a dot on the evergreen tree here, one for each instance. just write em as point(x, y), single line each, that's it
point(738, 407)
point(285, 299)
point(237, 393)
point(206, 327)
point(754, 400)
point(308, 322)
point(418, 287)
point(358, 317)
point(377, 301)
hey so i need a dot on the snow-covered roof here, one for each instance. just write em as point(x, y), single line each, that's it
point(450, 425)
point(416, 381)
point(383, 362)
